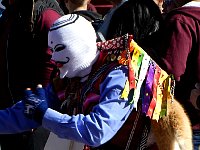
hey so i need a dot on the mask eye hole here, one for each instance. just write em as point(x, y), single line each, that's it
point(59, 47)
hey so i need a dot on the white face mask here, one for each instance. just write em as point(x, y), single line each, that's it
point(73, 42)
point(62, 61)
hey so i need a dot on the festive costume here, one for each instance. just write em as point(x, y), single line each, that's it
point(113, 92)
point(123, 81)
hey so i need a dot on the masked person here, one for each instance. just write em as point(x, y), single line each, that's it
point(99, 107)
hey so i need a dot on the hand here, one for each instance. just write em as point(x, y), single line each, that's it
point(35, 103)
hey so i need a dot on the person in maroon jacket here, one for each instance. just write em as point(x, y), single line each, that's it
point(25, 60)
point(180, 52)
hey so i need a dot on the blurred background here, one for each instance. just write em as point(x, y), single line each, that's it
point(1, 8)
point(102, 6)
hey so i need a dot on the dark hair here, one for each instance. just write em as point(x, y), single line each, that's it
point(140, 18)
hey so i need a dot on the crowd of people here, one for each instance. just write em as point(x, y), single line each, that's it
point(101, 80)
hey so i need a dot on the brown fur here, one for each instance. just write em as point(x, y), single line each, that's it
point(173, 132)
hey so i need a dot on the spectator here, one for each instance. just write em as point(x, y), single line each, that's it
point(180, 50)
point(130, 18)
point(25, 60)
point(81, 7)
point(104, 27)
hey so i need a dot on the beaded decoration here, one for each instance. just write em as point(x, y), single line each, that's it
point(144, 73)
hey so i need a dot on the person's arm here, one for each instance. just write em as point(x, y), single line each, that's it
point(13, 120)
point(94, 129)
point(102, 123)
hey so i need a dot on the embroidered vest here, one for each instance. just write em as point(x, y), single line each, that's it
point(148, 88)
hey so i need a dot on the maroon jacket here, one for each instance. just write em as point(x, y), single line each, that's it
point(180, 51)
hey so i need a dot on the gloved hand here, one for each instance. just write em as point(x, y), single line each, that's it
point(35, 103)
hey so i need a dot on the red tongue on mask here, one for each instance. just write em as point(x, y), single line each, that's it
point(59, 65)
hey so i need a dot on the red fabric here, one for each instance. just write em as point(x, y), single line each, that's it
point(180, 39)
point(28, 66)
point(45, 21)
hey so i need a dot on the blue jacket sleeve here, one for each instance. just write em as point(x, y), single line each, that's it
point(13, 120)
point(103, 122)
point(52, 100)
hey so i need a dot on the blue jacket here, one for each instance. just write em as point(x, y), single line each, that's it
point(13, 120)
point(93, 129)
point(105, 119)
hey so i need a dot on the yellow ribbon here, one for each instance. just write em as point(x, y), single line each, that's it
point(125, 91)
point(160, 88)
